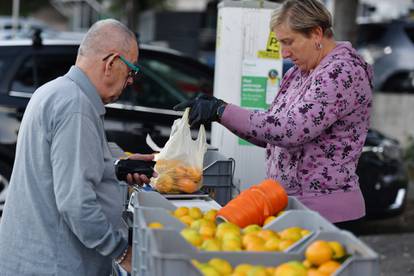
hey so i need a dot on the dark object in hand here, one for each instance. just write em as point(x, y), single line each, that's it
point(126, 166)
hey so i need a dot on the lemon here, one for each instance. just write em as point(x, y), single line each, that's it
point(338, 249)
point(242, 269)
point(267, 234)
point(257, 271)
point(186, 220)
point(251, 228)
point(222, 266)
point(181, 211)
point(291, 233)
point(211, 245)
point(155, 225)
point(291, 268)
point(285, 244)
point(269, 220)
point(192, 236)
point(210, 214)
point(195, 213)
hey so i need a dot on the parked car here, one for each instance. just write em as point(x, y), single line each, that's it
point(389, 47)
point(146, 108)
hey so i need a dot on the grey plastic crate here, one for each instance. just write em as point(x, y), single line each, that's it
point(124, 193)
point(218, 176)
point(172, 256)
point(305, 219)
point(363, 260)
point(150, 199)
point(295, 204)
point(142, 217)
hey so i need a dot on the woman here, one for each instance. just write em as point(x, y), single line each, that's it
point(315, 128)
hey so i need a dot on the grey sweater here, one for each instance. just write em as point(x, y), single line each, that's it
point(63, 208)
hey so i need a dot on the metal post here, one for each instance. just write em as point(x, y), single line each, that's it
point(15, 18)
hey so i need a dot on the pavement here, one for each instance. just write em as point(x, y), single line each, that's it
point(392, 239)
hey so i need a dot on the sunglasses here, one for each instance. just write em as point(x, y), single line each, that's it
point(134, 68)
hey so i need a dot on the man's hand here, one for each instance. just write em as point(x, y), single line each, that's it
point(139, 179)
point(203, 109)
point(126, 263)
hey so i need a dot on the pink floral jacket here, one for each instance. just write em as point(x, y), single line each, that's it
point(314, 132)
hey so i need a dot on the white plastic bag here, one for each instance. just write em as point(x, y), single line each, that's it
point(180, 163)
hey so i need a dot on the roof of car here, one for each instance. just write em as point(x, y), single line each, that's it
point(69, 42)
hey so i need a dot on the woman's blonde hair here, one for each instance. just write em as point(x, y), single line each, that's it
point(303, 16)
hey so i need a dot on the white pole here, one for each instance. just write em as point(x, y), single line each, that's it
point(15, 18)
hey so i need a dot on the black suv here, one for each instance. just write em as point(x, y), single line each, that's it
point(146, 108)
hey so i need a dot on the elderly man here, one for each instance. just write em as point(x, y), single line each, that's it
point(63, 209)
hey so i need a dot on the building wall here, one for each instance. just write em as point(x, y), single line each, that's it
point(393, 114)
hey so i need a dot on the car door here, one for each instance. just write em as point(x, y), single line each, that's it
point(145, 107)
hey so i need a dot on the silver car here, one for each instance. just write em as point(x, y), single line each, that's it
point(389, 47)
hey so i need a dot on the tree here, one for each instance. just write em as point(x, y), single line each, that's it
point(129, 10)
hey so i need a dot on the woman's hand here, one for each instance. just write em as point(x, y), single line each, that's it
point(204, 109)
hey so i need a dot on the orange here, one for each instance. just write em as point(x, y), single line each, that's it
point(329, 267)
point(266, 234)
point(272, 244)
point(319, 252)
point(314, 272)
point(251, 238)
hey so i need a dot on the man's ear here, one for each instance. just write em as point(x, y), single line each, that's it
point(109, 65)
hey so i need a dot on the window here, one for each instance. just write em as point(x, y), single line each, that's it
point(370, 34)
point(39, 69)
point(410, 32)
point(165, 83)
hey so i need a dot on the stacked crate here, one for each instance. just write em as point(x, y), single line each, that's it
point(160, 252)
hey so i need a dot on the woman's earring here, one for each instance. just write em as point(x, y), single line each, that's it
point(318, 46)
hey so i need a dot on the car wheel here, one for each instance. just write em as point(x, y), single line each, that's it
point(5, 172)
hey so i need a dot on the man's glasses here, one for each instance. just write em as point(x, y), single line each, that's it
point(134, 69)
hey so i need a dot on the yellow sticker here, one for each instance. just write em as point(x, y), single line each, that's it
point(268, 54)
point(273, 44)
point(272, 48)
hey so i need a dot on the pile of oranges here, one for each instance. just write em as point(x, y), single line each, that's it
point(175, 176)
point(203, 232)
point(322, 259)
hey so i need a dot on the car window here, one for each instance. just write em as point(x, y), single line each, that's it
point(38, 69)
point(410, 33)
point(369, 34)
point(165, 83)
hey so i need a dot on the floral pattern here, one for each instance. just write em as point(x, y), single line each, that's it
point(316, 127)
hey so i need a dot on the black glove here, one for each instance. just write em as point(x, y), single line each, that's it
point(203, 109)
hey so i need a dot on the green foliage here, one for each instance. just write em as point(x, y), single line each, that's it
point(26, 7)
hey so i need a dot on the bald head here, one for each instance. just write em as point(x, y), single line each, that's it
point(106, 36)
